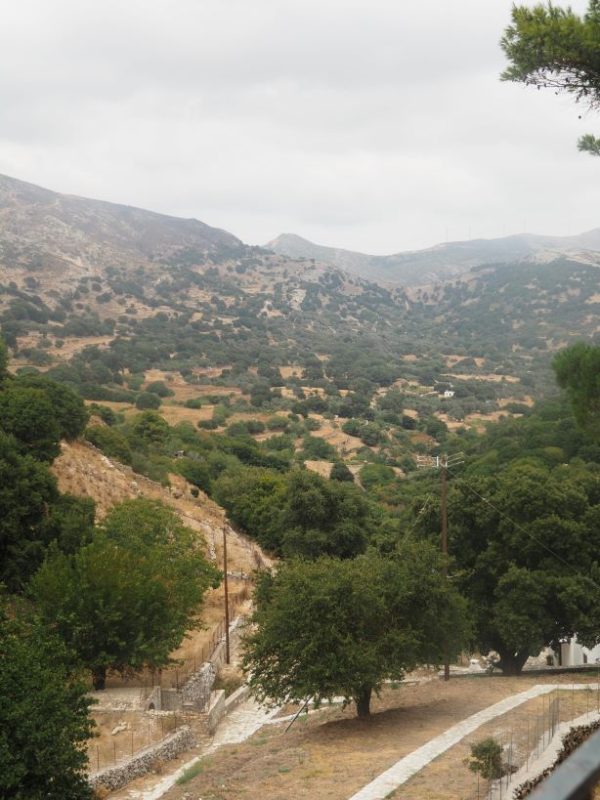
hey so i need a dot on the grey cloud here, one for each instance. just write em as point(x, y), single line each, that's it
point(371, 124)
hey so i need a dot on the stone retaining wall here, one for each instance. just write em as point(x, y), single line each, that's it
point(236, 698)
point(196, 690)
point(170, 747)
point(215, 712)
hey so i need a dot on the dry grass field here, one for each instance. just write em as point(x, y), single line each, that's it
point(332, 754)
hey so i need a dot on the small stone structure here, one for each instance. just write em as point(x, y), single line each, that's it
point(170, 747)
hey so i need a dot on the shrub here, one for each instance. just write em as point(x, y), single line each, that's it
point(194, 402)
point(147, 400)
point(486, 759)
point(160, 389)
point(340, 472)
point(112, 443)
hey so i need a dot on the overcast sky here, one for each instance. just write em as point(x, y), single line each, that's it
point(376, 125)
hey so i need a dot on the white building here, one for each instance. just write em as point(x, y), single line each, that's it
point(573, 654)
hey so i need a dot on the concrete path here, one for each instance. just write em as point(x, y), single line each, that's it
point(235, 727)
point(406, 767)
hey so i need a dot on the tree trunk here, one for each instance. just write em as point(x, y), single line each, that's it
point(512, 663)
point(99, 678)
point(363, 702)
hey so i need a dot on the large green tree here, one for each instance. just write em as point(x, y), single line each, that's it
point(526, 545)
point(550, 46)
point(44, 722)
point(27, 493)
point(323, 517)
point(126, 600)
point(68, 408)
point(27, 414)
point(342, 627)
point(578, 371)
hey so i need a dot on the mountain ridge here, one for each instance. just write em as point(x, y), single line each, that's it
point(65, 227)
point(441, 261)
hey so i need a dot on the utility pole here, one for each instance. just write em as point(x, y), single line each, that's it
point(226, 587)
point(443, 463)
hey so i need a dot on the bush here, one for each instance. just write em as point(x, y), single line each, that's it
point(160, 389)
point(147, 400)
point(112, 443)
point(196, 472)
point(371, 435)
point(254, 426)
point(194, 402)
point(105, 413)
point(278, 423)
point(340, 472)
point(352, 427)
point(315, 448)
point(486, 759)
point(372, 475)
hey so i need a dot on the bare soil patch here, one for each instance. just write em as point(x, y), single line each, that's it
point(175, 414)
point(322, 468)
point(526, 400)
point(71, 345)
point(490, 376)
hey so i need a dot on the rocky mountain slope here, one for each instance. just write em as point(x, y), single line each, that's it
point(84, 471)
point(444, 260)
point(41, 229)
point(100, 293)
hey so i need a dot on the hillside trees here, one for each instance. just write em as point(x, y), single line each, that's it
point(296, 514)
point(126, 599)
point(341, 627)
point(550, 46)
point(44, 722)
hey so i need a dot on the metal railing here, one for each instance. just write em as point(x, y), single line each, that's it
point(576, 777)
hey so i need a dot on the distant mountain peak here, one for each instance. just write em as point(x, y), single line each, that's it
point(441, 261)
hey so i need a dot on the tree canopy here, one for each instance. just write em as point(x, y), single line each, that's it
point(550, 46)
point(44, 723)
point(578, 371)
point(127, 598)
point(341, 627)
point(27, 493)
point(526, 544)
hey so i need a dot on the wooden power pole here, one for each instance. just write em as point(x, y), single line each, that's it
point(226, 587)
point(443, 463)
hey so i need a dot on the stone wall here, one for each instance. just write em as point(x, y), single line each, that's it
point(237, 698)
point(170, 747)
point(197, 689)
point(215, 712)
point(171, 700)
